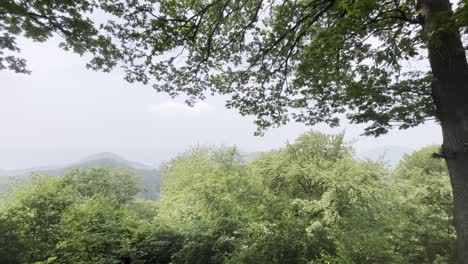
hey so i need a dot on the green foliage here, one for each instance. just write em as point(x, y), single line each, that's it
point(309, 202)
point(426, 230)
point(152, 242)
point(35, 210)
point(306, 61)
point(426, 162)
point(82, 217)
point(95, 232)
point(461, 15)
point(12, 247)
point(334, 201)
point(40, 19)
point(118, 184)
point(207, 193)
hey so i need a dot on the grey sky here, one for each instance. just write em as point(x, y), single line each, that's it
point(63, 112)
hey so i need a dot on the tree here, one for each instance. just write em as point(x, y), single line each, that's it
point(207, 193)
point(80, 216)
point(118, 184)
point(309, 202)
point(424, 200)
point(309, 61)
point(339, 207)
point(312, 61)
point(33, 213)
point(95, 232)
point(40, 19)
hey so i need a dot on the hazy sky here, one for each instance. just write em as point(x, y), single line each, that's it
point(63, 112)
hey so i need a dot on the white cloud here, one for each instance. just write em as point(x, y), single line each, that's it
point(172, 107)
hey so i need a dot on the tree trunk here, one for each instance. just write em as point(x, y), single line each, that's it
point(450, 93)
point(458, 170)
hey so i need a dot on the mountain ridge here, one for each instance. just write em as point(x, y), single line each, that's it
point(107, 159)
point(150, 176)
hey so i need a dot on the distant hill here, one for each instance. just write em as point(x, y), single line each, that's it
point(391, 155)
point(150, 177)
point(107, 159)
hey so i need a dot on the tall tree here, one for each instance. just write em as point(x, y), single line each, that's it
point(394, 63)
point(304, 60)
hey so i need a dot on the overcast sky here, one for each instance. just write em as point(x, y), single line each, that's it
point(63, 112)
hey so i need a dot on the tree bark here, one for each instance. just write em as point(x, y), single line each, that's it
point(450, 94)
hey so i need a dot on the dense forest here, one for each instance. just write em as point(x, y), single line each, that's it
point(309, 202)
point(149, 177)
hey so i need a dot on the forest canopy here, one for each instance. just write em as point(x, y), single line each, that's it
point(309, 202)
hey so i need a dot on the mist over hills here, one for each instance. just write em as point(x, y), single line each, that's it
point(389, 155)
point(108, 159)
point(150, 177)
point(103, 159)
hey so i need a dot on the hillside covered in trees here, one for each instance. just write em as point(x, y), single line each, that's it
point(309, 202)
point(149, 177)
